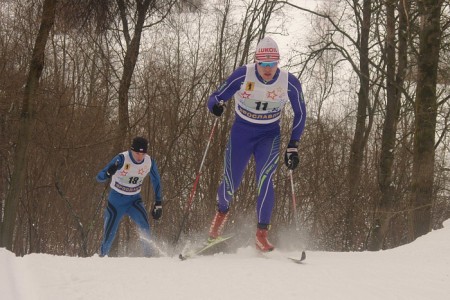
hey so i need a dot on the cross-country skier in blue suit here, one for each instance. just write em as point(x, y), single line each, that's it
point(127, 171)
point(260, 91)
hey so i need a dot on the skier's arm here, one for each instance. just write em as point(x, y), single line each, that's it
point(231, 85)
point(295, 94)
point(156, 181)
point(102, 176)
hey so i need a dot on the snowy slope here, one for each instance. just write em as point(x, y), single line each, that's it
point(420, 270)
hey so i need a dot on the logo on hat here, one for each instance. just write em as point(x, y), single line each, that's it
point(267, 50)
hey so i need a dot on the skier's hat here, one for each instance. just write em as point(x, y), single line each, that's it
point(267, 50)
point(139, 144)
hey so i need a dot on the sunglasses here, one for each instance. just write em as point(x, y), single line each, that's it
point(268, 64)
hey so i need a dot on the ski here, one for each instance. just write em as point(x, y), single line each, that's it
point(298, 260)
point(207, 246)
point(283, 256)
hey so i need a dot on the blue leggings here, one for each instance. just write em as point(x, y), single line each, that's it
point(263, 142)
point(118, 206)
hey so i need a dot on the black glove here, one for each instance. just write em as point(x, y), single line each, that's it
point(157, 210)
point(218, 109)
point(291, 156)
point(112, 169)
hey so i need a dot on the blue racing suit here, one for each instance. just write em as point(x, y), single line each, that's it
point(256, 131)
point(125, 197)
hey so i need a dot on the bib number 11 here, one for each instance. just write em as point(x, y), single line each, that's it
point(263, 104)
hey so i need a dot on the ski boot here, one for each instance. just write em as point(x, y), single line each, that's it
point(262, 244)
point(217, 225)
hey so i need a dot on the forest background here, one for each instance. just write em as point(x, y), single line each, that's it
point(79, 79)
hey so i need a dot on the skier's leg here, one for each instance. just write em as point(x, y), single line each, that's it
point(266, 158)
point(237, 154)
point(139, 215)
point(113, 214)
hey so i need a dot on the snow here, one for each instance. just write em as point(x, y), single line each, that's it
point(419, 270)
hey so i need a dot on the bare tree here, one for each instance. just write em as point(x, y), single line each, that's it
point(129, 62)
point(26, 122)
point(361, 129)
point(395, 76)
point(425, 117)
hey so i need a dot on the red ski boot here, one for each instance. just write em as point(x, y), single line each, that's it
point(217, 224)
point(262, 243)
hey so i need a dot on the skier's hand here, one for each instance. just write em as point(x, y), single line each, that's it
point(112, 169)
point(291, 155)
point(157, 210)
point(218, 108)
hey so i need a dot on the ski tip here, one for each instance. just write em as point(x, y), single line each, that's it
point(299, 260)
point(303, 256)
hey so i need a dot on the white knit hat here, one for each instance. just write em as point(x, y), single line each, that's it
point(267, 50)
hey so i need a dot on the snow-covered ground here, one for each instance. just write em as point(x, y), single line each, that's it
point(420, 270)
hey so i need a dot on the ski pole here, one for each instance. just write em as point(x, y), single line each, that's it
point(194, 187)
point(294, 202)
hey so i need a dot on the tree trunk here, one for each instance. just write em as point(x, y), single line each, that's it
point(360, 135)
point(26, 119)
point(425, 118)
point(129, 64)
point(383, 213)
